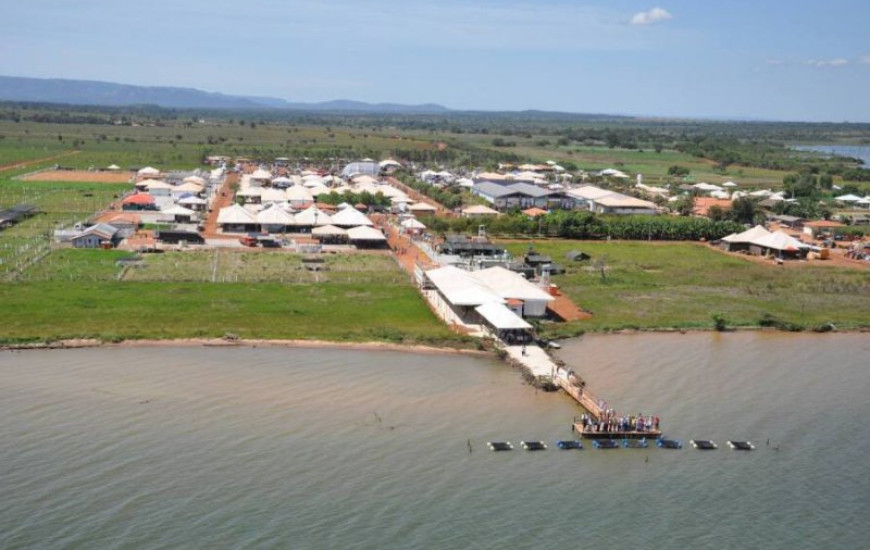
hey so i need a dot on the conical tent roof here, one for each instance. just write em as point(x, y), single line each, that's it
point(235, 214)
point(412, 223)
point(273, 195)
point(191, 200)
point(195, 179)
point(780, 241)
point(275, 215)
point(313, 216)
point(298, 193)
point(188, 187)
point(748, 236)
point(328, 231)
point(350, 217)
point(364, 233)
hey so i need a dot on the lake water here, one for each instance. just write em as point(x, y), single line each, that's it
point(855, 151)
point(298, 448)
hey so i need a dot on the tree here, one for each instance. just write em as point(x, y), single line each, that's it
point(677, 170)
point(717, 213)
point(685, 205)
point(744, 210)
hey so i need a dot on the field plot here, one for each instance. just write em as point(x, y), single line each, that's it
point(77, 293)
point(224, 266)
point(59, 205)
point(681, 285)
point(86, 176)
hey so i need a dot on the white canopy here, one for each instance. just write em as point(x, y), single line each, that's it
point(297, 193)
point(148, 171)
point(261, 175)
point(155, 184)
point(849, 198)
point(365, 233)
point(328, 231)
point(188, 187)
point(270, 194)
point(235, 215)
point(729, 184)
point(179, 211)
point(275, 215)
point(313, 216)
point(780, 241)
point(350, 217)
point(413, 223)
point(113, 167)
point(500, 317)
point(748, 236)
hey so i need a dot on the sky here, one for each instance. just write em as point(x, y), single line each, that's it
point(802, 60)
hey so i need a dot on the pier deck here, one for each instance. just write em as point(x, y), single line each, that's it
point(649, 434)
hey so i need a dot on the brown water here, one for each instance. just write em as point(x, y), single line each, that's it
point(277, 448)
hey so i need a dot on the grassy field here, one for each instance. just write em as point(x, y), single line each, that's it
point(649, 285)
point(77, 294)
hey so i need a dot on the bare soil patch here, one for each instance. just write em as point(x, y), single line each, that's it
point(82, 176)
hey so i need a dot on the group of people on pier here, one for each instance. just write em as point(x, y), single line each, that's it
point(611, 423)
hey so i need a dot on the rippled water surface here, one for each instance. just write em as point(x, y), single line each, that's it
point(295, 448)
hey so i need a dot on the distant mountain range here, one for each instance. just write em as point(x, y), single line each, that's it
point(90, 92)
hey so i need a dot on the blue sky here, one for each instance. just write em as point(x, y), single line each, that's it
point(759, 59)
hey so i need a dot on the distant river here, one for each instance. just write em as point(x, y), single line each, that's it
point(855, 151)
point(146, 448)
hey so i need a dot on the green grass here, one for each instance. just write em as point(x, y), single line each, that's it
point(651, 286)
point(76, 294)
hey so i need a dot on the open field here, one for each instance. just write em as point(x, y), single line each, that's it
point(75, 293)
point(657, 285)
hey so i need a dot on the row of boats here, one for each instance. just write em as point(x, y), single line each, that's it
point(642, 443)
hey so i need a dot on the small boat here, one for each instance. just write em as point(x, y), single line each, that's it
point(554, 345)
point(533, 445)
point(605, 444)
point(669, 444)
point(500, 446)
point(568, 444)
point(741, 445)
point(704, 444)
point(635, 443)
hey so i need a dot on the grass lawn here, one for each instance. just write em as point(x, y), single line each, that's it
point(681, 285)
point(75, 293)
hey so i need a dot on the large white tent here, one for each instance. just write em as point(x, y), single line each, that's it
point(510, 285)
point(313, 216)
point(500, 317)
point(365, 233)
point(350, 217)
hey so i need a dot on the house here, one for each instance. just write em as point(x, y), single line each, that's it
point(623, 204)
point(462, 246)
point(479, 210)
point(101, 235)
point(817, 228)
point(138, 201)
point(509, 285)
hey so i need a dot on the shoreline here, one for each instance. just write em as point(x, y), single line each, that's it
point(81, 343)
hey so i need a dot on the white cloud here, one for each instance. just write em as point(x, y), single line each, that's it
point(836, 62)
point(655, 15)
point(864, 59)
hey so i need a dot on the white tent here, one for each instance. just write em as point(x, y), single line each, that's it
point(298, 195)
point(188, 187)
point(500, 317)
point(350, 217)
point(262, 175)
point(192, 201)
point(270, 194)
point(113, 167)
point(412, 223)
point(848, 198)
point(313, 217)
point(328, 231)
point(235, 215)
point(747, 236)
point(275, 216)
point(365, 233)
point(729, 184)
point(148, 171)
point(780, 241)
